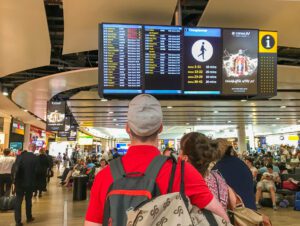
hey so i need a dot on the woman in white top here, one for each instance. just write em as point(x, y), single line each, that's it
point(6, 163)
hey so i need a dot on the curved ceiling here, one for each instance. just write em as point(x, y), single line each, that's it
point(88, 109)
point(82, 17)
point(282, 16)
point(24, 36)
point(34, 95)
point(9, 108)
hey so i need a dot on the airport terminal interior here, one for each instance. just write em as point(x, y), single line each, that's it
point(221, 70)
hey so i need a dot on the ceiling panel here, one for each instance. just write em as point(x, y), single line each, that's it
point(279, 15)
point(81, 18)
point(24, 36)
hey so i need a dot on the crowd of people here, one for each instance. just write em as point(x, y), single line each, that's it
point(213, 171)
point(25, 175)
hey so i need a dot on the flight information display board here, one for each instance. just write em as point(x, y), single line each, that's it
point(202, 65)
point(240, 62)
point(121, 57)
point(186, 62)
point(163, 59)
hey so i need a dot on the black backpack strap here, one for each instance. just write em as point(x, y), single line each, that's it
point(171, 182)
point(155, 166)
point(117, 169)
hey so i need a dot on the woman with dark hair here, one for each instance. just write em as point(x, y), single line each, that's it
point(200, 151)
point(236, 173)
point(43, 165)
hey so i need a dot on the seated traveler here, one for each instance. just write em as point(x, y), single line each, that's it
point(267, 183)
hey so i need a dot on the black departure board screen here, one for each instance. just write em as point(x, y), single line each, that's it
point(186, 62)
point(240, 62)
point(163, 59)
point(202, 65)
point(121, 57)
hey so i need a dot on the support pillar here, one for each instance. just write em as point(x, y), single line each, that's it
point(6, 131)
point(26, 136)
point(251, 137)
point(242, 138)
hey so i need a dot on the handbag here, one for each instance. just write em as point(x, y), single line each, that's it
point(243, 216)
point(173, 209)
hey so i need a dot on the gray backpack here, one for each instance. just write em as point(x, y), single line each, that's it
point(131, 190)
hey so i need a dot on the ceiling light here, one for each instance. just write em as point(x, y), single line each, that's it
point(5, 91)
point(216, 112)
point(243, 100)
point(114, 119)
point(229, 121)
point(277, 118)
point(187, 123)
point(273, 125)
point(283, 107)
point(117, 124)
point(103, 100)
point(111, 112)
point(25, 110)
point(253, 113)
point(298, 120)
point(198, 119)
point(169, 107)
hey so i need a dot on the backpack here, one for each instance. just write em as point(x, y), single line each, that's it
point(130, 190)
point(173, 209)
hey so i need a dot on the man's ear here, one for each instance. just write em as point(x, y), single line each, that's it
point(128, 129)
point(160, 128)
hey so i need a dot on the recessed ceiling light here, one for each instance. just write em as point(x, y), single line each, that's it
point(229, 121)
point(111, 112)
point(187, 123)
point(114, 119)
point(216, 112)
point(283, 107)
point(198, 119)
point(103, 100)
point(243, 100)
point(117, 124)
point(25, 110)
point(169, 107)
point(253, 113)
point(277, 118)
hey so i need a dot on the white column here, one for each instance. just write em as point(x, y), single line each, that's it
point(251, 137)
point(26, 137)
point(242, 138)
point(6, 131)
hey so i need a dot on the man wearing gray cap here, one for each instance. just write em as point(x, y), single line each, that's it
point(143, 126)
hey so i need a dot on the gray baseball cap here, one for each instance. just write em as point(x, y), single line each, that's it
point(144, 115)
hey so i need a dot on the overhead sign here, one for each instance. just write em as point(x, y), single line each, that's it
point(73, 133)
point(17, 127)
point(56, 116)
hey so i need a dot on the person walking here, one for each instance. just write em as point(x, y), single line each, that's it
point(50, 162)
point(6, 163)
point(41, 180)
point(143, 126)
point(58, 160)
point(25, 170)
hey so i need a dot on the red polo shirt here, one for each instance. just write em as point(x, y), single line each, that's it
point(137, 159)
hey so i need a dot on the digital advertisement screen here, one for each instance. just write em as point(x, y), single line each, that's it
point(17, 127)
point(202, 66)
point(120, 54)
point(56, 111)
point(163, 59)
point(186, 62)
point(240, 61)
point(15, 146)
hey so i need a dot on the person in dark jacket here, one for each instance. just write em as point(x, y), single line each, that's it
point(236, 173)
point(25, 170)
point(41, 180)
point(50, 168)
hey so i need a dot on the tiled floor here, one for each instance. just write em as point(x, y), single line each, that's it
point(56, 208)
